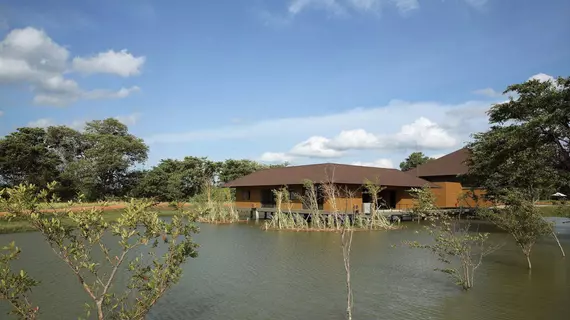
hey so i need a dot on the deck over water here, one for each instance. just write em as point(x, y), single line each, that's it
point(391, 214)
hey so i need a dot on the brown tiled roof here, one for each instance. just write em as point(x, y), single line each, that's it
point(341, 173)
point(452, 164)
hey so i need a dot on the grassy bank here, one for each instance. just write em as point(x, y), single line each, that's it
point(554, 211)
point(15, 224)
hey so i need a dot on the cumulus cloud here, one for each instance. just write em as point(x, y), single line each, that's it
point(277, 157)
point(120, 63)
point(422, 133)
point(315, 147)
point(542, 77)
point(457, 119)
point(380, 163)
point(29, 56)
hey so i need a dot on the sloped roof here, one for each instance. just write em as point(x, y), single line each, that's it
point(452, 164)
point(340, 173)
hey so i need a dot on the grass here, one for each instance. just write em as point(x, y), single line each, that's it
point(554, 211)
point(60, 205)
point(16, 224)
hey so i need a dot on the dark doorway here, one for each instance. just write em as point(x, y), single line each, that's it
point(267, 198)
point(387, 199)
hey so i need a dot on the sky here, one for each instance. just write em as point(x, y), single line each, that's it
point(362, 82)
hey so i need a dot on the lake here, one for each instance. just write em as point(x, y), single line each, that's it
point(243, 272)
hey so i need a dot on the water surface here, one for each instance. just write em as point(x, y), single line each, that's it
point(246, 273)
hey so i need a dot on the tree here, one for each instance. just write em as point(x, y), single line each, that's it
point(232, 169)
point(413, 160)
point(15, 287)
point(176, 180)
point(110, 153)
point(25, 157)
point(456, 246)
point(528, 145)
point(522, 220)
point(84, 247)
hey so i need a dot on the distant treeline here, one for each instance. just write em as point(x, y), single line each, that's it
point(100, 162)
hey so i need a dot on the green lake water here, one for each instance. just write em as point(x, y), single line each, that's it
point(243, 272)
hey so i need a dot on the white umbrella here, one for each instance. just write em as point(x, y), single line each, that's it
point(558, 194)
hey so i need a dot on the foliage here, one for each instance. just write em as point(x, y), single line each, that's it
point(522, 219)
point(454, 245)
point(15, 287)
point(424, 202)
point(376, 218)
point(527, 147)
point(138, 231)
point(96, 162)
point(177, 180)
point(214, 205)
point(109, 154)
point(232, 169)
point(413, 160)
point(25, 157)
point(284, 217)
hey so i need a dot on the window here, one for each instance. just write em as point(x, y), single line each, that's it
point(246, 195)
point(292, 195)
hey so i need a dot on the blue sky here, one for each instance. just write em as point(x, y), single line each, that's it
point(348, 81)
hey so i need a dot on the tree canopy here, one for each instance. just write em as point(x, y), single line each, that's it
point(527, 147)
point(413, 160)
point(103, 161)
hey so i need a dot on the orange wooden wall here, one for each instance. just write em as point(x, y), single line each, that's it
point(403, 198)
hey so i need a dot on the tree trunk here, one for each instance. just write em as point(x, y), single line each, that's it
point(100, 310)
point(528, 260)
point(559, 245)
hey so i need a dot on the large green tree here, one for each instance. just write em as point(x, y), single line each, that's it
point(232, 169)
point(109, 155)
point(177, 179)
point(25, 157)
point(413, 160)
point(528, 146)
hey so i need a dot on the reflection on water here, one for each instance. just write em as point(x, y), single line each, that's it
point(246, 273)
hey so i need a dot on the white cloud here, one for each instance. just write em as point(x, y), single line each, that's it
point(276, 157)
point(406, 5)
point(457, 119)
point(29, 56)
point(65, 98)
point(120, 63)
point(542, 77)
point(332, 6)
point(380, 163)
point(315, 147)
point(354, 139)
point(41, 123)
point(130, 119)
point(425, 134)
point(488, 92)
point(437, 156)
point(422, 133)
